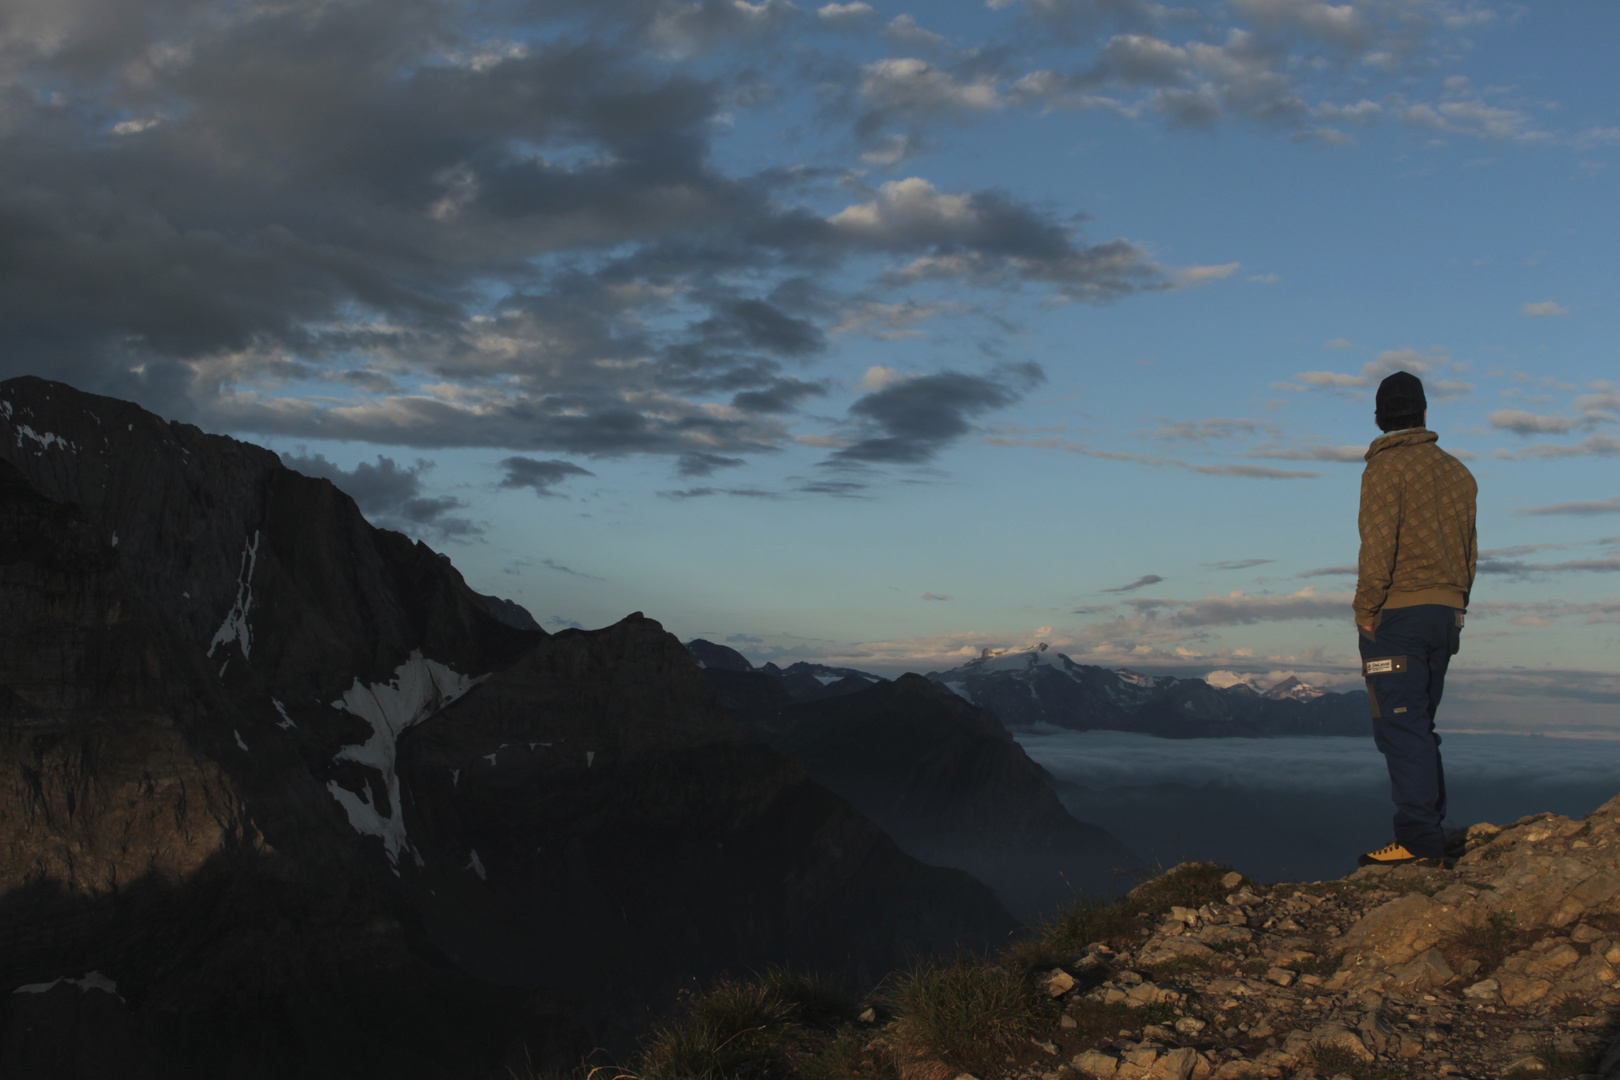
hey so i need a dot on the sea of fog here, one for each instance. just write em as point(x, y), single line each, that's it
point(1302, 809)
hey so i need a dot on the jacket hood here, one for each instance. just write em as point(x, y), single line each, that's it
point(1409, 437)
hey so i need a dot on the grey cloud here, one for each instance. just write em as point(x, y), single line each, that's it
point(1352, 455)
point(1333, 571)
point(1520, 569)
point(552, 564)
point(704, 492)
point(1579, 509)
point(1600, 445)
point(1237, 564)
point(390, 495)
point(538, 476)
point(1213, 430)
point(696, 463)
point(564, 624)
point(908, 422)
point(781, 396)
point(1144, 580)
point(841, 488)
point(1525, 423)
point(1242, 610)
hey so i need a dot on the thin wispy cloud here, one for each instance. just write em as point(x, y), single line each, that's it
point(1140, 583)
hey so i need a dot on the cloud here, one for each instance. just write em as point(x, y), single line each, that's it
point(390, 495)
point(1333, 571)
point(704, 492)
point(1545, 307)
point(1256, 472)
point(851, 16)
point(1145, 579)
point(910, 421)
point(1339, 343)
point(1353, 455)
point(1579, 509)
point(551, 564)
point(1216, 429)
point(1431, 365)
point(1520, 569)
point(1197, 275)
point(931, 596)
point(907, 87)
point(892, 321)
point(697, 463)
point(1237, 564)
point(1600, 445)
point(1524, 423)
point(987, 237)
point(1239, 609)
point(538, 476)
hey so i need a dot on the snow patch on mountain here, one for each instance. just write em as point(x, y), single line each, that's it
point(235, 626)
point(419, 689)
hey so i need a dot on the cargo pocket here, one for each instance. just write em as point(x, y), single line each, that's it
point(1374, 666)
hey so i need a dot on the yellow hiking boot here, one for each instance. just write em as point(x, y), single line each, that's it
point(1396, 855)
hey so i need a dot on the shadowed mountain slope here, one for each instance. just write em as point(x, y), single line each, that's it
point(942, 777)
point(318, 808)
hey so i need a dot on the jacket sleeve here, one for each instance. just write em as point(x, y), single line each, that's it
point(1380, 525)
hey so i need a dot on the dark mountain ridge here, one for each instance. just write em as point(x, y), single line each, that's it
point(318, 808)
point(941, 776)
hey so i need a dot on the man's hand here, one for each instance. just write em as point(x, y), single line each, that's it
point(1368, 628)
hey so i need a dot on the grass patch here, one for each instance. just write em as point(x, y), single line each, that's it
point(969, 1015)
point(1189, 885)
point(1570, 1006)
point(1488, 941)
point(1072, 929)
point(771, 1026)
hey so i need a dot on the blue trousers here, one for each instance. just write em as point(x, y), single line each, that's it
point(1404, 662)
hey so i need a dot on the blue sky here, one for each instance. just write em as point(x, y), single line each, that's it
point(868, 333)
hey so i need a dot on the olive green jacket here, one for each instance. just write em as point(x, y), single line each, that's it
point(1417, 526)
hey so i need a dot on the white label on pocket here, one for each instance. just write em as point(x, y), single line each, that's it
point(1380, 667)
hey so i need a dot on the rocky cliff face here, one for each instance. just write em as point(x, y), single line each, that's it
point(314, 806)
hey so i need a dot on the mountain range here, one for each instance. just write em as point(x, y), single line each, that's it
point(1042, 687)
point(313, 806)
point(941, 776)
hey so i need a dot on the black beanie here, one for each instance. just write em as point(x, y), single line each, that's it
point(1401, 395)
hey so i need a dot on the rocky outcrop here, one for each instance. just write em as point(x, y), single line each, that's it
point(316, 807)
point(952, 787)
point(1505, 966)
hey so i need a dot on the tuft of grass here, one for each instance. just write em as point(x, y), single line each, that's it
point(1570, 1006)
point(764, 1028)
point(970, 1015)
point(1072, 929)
point(1084, 923)
point(1189, 885)
point(1489, 941)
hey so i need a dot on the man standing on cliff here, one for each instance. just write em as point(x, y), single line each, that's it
point(1416, 569)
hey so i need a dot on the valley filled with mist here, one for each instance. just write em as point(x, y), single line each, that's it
point(1300, 808)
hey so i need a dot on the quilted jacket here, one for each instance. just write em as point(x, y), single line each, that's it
point(1417, 526)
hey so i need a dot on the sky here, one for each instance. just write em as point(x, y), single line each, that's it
point(868, 333)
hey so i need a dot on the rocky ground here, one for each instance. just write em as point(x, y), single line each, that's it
point(1504, 966)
